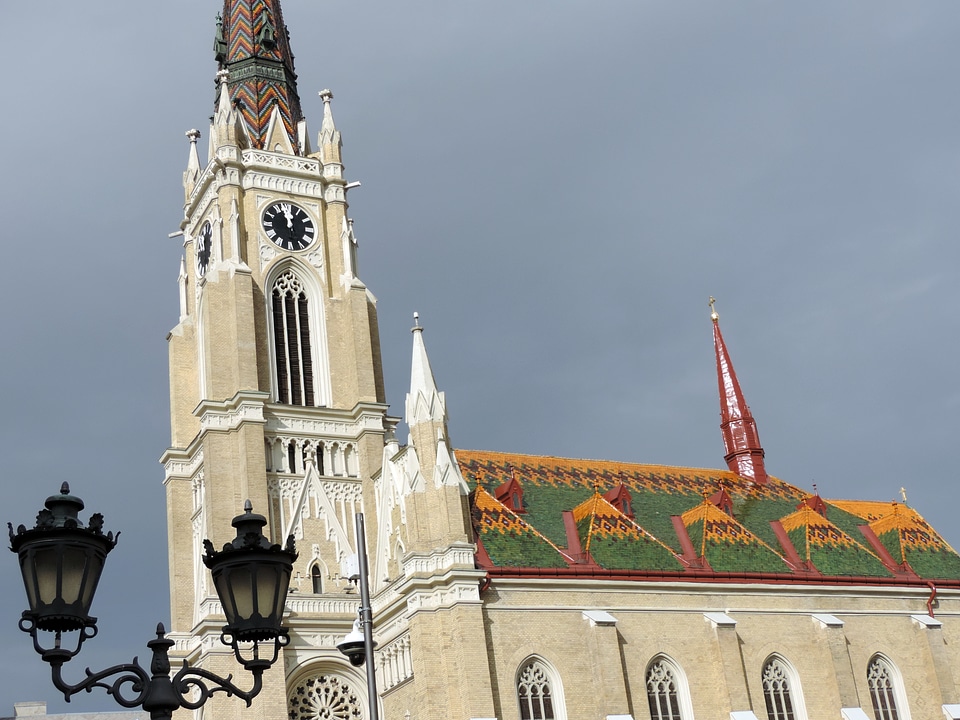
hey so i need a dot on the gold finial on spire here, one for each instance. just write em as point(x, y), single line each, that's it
point(903, 494)
point(713, 311)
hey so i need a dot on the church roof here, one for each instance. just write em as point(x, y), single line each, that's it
point(771, 533)
point(827, 548)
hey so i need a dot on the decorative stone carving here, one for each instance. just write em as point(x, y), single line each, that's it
point(395, 663)
point(325, 696)
point(262, 158)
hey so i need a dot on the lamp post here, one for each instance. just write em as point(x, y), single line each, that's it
point(61, 561)
point(358, 645)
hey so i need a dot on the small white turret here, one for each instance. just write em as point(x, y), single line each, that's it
point(193, 164)
point(329, 137)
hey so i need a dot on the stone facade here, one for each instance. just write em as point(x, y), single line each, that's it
point(277, 396)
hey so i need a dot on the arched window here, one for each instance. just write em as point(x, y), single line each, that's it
point(317, 579)
point(538, 692)
point(291, 336)
point(667, 691)
point(325, 696)
point(781, 691)
point(886, 690)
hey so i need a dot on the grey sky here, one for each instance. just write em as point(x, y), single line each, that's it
point(557, 188)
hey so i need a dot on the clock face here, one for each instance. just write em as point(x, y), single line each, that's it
point(288, 226)
point(204, 243)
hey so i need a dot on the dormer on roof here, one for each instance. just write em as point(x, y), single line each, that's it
point(610, 539)
point(814, 502)
point(822, 547)
point(620, 498)
point(508, 540)
point(727, 546)
point(721, 499)
point(510, 493)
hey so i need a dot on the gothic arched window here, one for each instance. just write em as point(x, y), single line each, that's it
point(317, 579)
point(781, 691)
point(291, 336)
point(325, 696)
point(886, 690)
point(666, 691)
point(538, 692)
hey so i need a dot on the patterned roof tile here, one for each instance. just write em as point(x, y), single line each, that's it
point(828, 548)
point(613, 540)
point(741, 542)
point(508, 539)
point(726, 544)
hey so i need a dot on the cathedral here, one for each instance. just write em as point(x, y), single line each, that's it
point(504, 585)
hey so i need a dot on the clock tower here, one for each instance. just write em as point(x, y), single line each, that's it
point(275, 375)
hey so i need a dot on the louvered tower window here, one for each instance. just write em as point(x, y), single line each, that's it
point(291, 333)
point(883, 690)
point(663, 690)
point(535, 692)
point(778, 690)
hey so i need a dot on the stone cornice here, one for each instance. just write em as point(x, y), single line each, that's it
point(440, 561)
point(692, 589)
point(182, 463)
point(244, 407)
point(325, 422)
point(457, 587)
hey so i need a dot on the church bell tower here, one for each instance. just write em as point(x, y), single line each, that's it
point(276, 387)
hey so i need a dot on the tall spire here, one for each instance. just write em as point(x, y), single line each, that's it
point(253, 46)
point(740, 438)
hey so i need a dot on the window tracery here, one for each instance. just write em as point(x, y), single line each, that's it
point(535, 692)
point(781, 692)
point(325, 696)
point(882, 679)
point(291, 335)
point(663, 691)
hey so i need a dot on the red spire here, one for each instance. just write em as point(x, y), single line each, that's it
point(253, 46)
point(740, 439)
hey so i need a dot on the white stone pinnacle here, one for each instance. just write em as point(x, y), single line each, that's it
point(424, 401)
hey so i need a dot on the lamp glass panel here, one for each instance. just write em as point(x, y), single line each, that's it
point(239, 581)
point(45, 568)
point(74, 572)
point(28, 570)
point(266, 590)
point(283, 585)
point(95, 569)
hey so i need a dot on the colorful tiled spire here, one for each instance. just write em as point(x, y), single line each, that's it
point(740, 438)
point(253, 46)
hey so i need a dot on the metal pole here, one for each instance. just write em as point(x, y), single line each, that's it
point(366, 619)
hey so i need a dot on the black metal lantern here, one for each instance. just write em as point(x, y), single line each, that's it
point(252, 576)
point(61, 562)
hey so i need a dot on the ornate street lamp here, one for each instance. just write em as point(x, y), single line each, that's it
point(61, 561)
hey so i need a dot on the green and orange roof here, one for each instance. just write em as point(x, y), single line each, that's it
point(689, 522)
